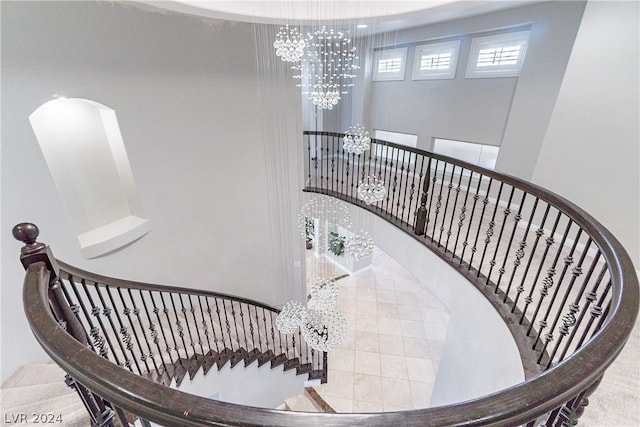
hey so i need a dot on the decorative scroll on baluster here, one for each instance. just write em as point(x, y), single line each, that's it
point(421, 213)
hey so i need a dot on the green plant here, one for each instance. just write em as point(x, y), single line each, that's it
point(336, 243)
point(309, 229)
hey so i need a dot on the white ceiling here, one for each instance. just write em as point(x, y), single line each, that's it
point(386, 14)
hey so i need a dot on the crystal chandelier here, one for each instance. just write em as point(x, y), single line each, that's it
point(327, 70)
point(356, 140)
point(371, 190)
point(359, 246)
point(324, 293)
point(324, 330)
point(291, 317)
point(327, 210)
point(289, 45)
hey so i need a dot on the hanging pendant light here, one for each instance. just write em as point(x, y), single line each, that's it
point(326, 72)
point(359, 245)
point(356, 140)
point(371, 190)
point(289, 45)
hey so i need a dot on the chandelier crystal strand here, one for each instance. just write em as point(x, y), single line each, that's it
point(356, 140)
point(324, 330)
point(289, 45)
point(326, 72)
point(292, 316)
point(371, 190)
point(359, 245)
point(324, 293)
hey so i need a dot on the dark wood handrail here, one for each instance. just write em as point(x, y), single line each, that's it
point(516, 405)
point(131, 284)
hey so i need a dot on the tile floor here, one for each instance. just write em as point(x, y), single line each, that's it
point(396, 331)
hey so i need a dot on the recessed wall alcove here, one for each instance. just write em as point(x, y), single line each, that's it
point(85, 153)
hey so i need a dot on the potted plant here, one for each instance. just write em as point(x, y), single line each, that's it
point(309, 232)
point(336, 243)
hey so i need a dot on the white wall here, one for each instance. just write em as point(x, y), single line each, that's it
point(591, 151)
point(192, 105)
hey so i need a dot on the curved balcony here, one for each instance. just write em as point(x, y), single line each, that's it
point(561, 282)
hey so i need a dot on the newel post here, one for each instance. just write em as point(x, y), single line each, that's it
point(421, 213)
point(34, 251)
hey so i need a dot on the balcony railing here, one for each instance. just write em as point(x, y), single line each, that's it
point(563, 284)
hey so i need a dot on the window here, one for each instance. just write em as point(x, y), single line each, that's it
point(389, 64)
point(478, 154)
point(436, 61)
point(501, 55)
point(395, 154)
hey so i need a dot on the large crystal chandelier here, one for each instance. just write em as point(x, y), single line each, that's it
point(291, 317)
point(356, 140)
point(324, 292)
point(371, 190)
point(359, 245)
point(327, 70)
point(289, 45)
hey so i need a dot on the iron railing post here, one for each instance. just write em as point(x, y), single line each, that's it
point(421, 213)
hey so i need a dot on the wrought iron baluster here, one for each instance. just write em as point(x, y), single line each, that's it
point(81, 308)
point(548, 242)
point(213, 325)
point(166, 311)
point(196, 327)
point(490, 229)
point(506, 213)
point(205, 327)
point(107, 311)
point(595, 310)
point(125, 337)
point(127, 312)
point(568, 260)
point(166, 345)
point(463, 214)
point(574, 323)
point(520, 253)
point(153, 334)
point(547, 282)
point(485, 202)
point(569, 318)
point(224, 341)
point(453, 210)
point(446, 205)
point(476, 196)
point(516, 220)
point(94, 332)
point(539, 233)
point(136, 312)
point(179, 327)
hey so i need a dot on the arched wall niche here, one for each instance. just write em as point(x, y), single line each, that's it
point(85, 153)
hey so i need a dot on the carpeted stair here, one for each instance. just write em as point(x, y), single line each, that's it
point(37, 395)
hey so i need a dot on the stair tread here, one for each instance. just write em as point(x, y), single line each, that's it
point(34, 393)
point(57, 405)
point(300, 403)
point(35, 374)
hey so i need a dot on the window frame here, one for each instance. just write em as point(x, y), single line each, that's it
point(520, 38)
point(435, 48)
point(378, 55)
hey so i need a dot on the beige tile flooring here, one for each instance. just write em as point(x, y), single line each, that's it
point(396, 332)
